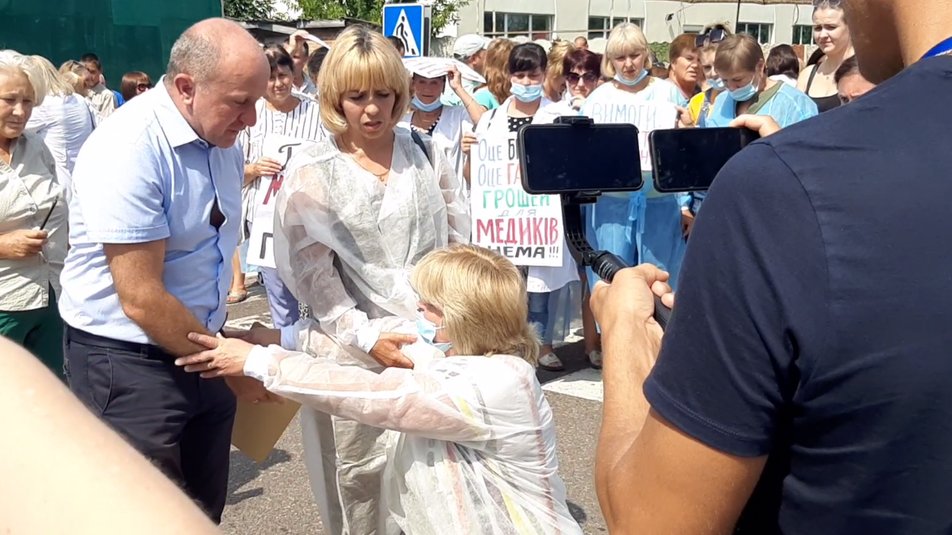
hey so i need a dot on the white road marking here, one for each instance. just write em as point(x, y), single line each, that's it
point(585, 384)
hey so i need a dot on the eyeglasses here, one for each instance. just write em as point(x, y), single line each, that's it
point(573, 77)
point(143, 87)
point(712, 36)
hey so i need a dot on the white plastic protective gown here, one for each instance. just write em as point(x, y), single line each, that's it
point(345, 244)
point(474, 451)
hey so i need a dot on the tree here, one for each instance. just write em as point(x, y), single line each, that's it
point(444, 11)
point(249, 9)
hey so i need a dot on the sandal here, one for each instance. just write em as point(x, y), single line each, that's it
point(594, 359)
point(550, 362)
point(236, 297)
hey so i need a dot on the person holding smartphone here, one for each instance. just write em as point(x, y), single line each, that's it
point(32, 219)
point(804, 383)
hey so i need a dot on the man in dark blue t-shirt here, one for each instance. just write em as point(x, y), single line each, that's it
point(807, 372)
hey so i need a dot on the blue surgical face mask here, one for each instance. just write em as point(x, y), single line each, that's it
point(743, 94)
point(433, 106)
point(427, 331)
point(631, 83)
point(717, 84)
point(526, 93)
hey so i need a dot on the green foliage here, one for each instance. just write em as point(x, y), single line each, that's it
point(660, 51)
point(248, 9)
point(444, 11)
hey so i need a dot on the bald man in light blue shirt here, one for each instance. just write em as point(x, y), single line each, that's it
point(154, 220)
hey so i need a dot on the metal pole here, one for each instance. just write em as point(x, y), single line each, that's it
point(737, 18)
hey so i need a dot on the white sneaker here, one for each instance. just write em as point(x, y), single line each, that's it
point(551, 363)
point(595, 359)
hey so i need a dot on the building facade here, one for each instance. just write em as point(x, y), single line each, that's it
point(661, 20)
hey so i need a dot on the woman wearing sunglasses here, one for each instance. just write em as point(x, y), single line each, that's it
point(133, 84)
point(583, 73)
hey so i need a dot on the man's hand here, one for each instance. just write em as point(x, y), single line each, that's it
point(258, 335)
point(251, 390)
point(762, 124)
point(23, 243)
point(628, 302)
point(387, 350)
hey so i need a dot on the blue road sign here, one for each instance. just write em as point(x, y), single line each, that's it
point(405, 22)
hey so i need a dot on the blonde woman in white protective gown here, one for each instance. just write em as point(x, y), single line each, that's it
point(475, 449)
point(355, 213)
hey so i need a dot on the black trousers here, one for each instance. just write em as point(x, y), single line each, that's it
point(180, 421)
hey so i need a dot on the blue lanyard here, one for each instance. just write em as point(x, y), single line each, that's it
point(939, 49)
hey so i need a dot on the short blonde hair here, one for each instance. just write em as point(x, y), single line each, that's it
point(626, 38)
point(74, 73)
point(55, 82)
point(483, 299)
point(360, 59)
point(739, 52)
point(17, 63)
point(556, 60)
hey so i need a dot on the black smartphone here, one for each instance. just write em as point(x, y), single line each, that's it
point(570, 157)
point(688, 159)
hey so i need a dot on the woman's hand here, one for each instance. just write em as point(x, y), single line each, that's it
point(23, 243)
point(687, 222)
point(455, 79)
point(466, 143)
point(387, 350)
point(265, 167)
point(684, 118)
point(224, 356)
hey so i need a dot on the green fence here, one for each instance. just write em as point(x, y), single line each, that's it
point(127, 35)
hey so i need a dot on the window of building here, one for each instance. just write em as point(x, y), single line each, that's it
point(602, 26)
point(760, 31)
point(497, 24)
point(802, 34)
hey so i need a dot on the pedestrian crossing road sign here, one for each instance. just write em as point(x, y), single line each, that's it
point(405, 22)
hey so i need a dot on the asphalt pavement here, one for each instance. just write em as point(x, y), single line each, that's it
point(274, 496)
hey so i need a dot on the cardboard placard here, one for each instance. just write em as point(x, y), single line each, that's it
point(259, 426)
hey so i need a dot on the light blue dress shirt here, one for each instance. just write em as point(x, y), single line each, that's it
point(145, 175)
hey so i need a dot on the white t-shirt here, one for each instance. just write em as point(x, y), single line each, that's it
point(64, 123)
point(448, 134)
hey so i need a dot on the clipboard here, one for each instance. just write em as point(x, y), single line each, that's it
point(259, 426)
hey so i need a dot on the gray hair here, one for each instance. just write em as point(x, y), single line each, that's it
point(827, 4)
point(13, 61)
point(193, 53)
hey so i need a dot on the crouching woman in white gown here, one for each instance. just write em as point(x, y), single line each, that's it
point(355, 213)
point(476, 451)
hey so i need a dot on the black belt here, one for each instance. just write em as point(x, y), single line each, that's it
point(146, 350)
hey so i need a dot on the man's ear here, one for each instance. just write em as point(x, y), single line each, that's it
point(184, 85)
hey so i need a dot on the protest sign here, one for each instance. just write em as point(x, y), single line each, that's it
point(261, 239)
point(647, 116)
point(526, 229)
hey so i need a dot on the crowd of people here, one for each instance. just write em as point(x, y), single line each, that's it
point(413, 353)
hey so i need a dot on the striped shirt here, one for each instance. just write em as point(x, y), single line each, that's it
point(303, 122)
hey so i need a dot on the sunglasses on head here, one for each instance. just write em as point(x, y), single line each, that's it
point(712, 36)
point(573, 77)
